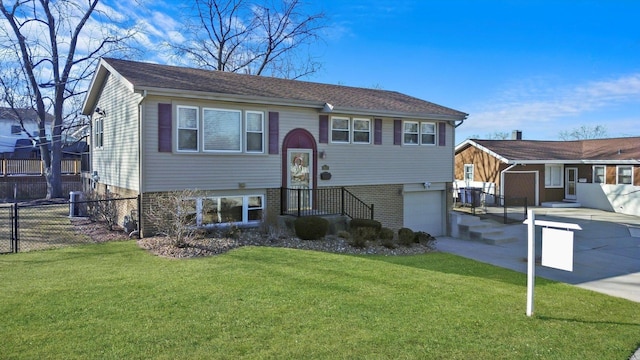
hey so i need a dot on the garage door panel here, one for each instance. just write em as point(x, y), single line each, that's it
point(423, 212)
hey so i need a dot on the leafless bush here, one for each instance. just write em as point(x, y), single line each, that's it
point(101, 207)
point(173, 214)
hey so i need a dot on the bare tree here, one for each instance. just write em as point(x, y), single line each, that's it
point(584, 132)
point(266, 38)
point(49, 50)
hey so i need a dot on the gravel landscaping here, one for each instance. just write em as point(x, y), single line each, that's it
point(208, 246)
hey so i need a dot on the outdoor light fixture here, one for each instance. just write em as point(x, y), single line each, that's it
point(327, 107)
point(100, 112)
point(322, 154)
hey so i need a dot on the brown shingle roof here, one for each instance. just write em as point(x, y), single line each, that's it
point(147, 75)
point(627, 148)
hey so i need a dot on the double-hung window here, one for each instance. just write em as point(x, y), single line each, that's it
point(427, 133)
point(599, 174)
point(188, 128)
point(254, 128)
point(16, 129)
point(222, 130)
point(411, 133)
point(340, 129)
point(468, 172)
point(419, 133)
point(98, 133)
point(553, 176)
point(361, 131)
point(624, 175)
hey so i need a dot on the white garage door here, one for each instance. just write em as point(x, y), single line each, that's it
point(423, 212)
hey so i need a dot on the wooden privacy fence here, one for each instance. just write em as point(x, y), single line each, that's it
point(22, 167)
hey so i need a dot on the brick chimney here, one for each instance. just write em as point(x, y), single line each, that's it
point(516, 135)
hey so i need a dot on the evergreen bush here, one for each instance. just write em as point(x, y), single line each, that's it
point(311, 227)
point(406, 236)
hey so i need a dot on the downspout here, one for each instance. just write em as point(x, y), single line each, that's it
point(140, 142)
point(502, 178)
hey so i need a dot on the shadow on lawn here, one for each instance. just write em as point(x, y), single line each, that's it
point(458, 265)
point(551, 318)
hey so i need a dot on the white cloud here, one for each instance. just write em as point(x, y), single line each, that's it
point(537, 102)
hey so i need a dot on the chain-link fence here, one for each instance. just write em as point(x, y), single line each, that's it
point(44, 225)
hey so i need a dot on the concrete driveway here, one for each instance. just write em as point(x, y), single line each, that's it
point(606, 250)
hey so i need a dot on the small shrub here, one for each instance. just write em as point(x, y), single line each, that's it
point(311, 227)
point(406, 236)
point(367, 233)
point(425, 238)
point(360, 236)
point(344, 234)
point(100, 207)
point(386, 238)
point(365, 223)
point(385, 234)
point(364, 230)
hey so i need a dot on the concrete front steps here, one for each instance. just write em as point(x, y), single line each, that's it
point(473, 228)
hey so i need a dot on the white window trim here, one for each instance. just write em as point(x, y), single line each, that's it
point(246, 132)
point(98, 144)
point(404, 132)
point(420, 133)
point(468, 166)
point(245, 210)
point(547, 172)
point(604, 174)
point(240, 135)
point(197, 128)
point(435, 133)
point(348, 130)
point(618, 174)
point(354, 131)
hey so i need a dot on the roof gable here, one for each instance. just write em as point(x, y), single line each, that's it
point(533, 151)
point(148, 76)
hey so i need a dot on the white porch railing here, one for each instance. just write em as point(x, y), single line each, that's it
point(36, 167)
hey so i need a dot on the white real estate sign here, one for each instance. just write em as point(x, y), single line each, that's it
point(557, 249)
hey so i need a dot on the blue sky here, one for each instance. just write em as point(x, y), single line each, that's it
point(540, 66)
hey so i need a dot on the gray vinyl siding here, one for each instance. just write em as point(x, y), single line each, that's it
point(117, 162)
point(349, 164)
point(368, 164)
point(205, 171)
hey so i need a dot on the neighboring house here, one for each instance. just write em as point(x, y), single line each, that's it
point(12, 133)
point(240, 138)
point(599, 173)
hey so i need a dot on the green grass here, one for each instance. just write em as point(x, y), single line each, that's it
point(115, 301)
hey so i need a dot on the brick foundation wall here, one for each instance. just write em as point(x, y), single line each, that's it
point(387, 200)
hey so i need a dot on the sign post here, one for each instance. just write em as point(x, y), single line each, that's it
point(557, 254)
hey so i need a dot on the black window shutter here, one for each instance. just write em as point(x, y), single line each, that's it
point(324, 129)
point(397, 132)
point(164, 128)
point(274, 132)
point(442, 134)
point(377, 131)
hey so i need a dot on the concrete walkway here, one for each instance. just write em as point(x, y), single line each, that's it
point(606, 251)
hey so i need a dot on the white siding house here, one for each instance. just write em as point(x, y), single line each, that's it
point(11, 128)
point(242, 138)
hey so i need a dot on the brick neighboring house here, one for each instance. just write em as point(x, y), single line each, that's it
point(598, 173)
point(241, 139)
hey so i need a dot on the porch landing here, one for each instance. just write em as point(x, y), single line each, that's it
point(561, 204)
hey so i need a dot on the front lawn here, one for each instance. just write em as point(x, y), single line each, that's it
point(115, 301)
